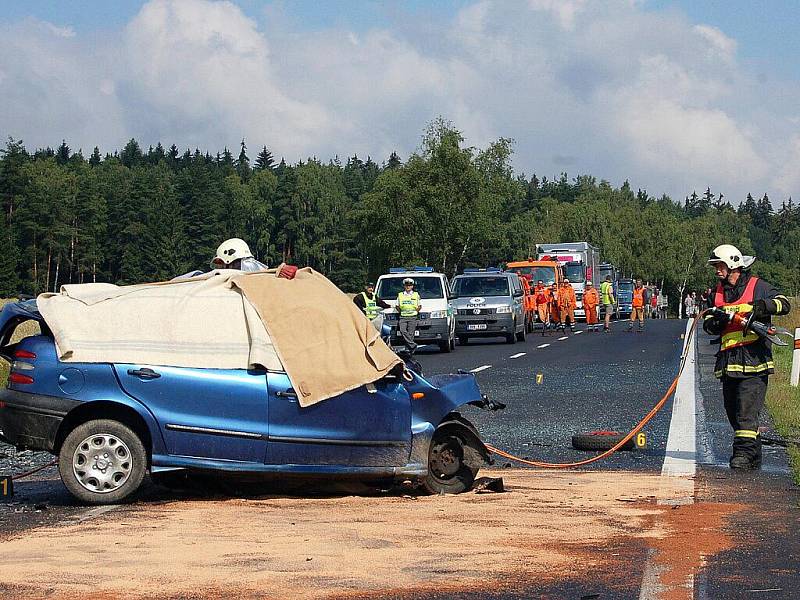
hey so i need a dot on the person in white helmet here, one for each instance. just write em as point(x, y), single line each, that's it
point(744, 360)
point(235, 254)
point(231, 254)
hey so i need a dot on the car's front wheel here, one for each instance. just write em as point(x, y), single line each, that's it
point(451, 462)
point(102, 462)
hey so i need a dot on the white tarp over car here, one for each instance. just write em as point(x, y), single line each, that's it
point(225, 320)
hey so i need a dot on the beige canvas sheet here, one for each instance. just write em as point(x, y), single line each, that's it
point(225, 320)
point(324, 341)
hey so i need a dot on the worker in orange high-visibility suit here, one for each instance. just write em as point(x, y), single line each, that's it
point(637, 305)
point(554, 312)
point(541, 298)
point(566, 306)
point(591, 300)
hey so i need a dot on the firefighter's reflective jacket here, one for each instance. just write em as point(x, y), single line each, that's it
point(744, 354)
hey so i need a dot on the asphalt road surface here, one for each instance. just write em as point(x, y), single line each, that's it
point(633, 533)
point(587, 382)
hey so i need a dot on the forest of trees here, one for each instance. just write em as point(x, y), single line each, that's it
point(138, 215)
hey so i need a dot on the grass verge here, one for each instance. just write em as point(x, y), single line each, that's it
point(783, 400)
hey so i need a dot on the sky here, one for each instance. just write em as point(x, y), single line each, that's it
point(673, 96)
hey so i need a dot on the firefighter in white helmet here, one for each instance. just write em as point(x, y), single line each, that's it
point(744, 360)
point(235, 254)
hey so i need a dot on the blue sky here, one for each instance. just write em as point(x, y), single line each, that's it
point(673, 95)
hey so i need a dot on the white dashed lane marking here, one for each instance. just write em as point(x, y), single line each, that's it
point(481, 368)
point(578, 332)
point(566, 337)
point(518, 354)
point(542, 345)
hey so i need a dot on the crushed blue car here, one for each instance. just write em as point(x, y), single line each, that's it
point(111, 424)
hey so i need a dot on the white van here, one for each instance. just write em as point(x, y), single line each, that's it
point(437, 324)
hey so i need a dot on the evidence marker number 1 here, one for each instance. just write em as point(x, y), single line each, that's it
point(6, 488)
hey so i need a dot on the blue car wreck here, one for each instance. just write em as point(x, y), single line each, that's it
point(110, 424)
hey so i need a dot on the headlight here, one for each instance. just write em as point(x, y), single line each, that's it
point(504, 309)
point(438, 314)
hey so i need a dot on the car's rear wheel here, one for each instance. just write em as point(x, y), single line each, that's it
point(449, 472)
point(102, 462)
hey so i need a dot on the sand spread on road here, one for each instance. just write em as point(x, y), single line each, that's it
point(321, 547)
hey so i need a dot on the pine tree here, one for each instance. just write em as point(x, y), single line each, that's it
point(9, 257)
point(264, 160)
point(12, 179)
point(63, 153)
point(94, 159)
point(131, 154)
point(243, 163)
point(394, 161)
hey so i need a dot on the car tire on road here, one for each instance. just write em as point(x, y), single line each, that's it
point(445, 346)
point(102, 462)
point(601, 440)
point(448, 473)
point(511, 338)
point(463, 340)
point(521, 334)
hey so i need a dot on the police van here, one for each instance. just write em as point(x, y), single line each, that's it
point(489, 303)
point(436, 324)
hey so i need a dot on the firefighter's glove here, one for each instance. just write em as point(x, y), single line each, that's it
point(714, 321)
point(760, 310)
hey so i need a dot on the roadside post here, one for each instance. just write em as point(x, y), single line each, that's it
point(795, 378)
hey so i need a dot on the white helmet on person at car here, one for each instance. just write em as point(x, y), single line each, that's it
point(408, 281)
point(231, 250)
point(731, 256)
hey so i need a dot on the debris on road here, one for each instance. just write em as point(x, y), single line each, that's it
point(483, 485)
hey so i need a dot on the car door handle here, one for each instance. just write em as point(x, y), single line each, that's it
point(290, 393)
point(144, 373)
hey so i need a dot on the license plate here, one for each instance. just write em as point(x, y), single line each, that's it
point(476, 327)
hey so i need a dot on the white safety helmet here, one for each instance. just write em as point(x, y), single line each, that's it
point(731, 256)
point(229, 251)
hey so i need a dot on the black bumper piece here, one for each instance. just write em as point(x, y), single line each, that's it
point(31, 421)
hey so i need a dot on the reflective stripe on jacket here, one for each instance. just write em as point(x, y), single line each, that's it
point(408, 304)
point(371, 309)
point(733, 335)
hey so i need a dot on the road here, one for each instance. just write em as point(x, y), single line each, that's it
point(621, 528)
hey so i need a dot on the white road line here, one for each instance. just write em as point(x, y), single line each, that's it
point(578, 332)
point(518, 354)
point(482, 368)
point(542, 345)
point(566, 337)
point(681, 454)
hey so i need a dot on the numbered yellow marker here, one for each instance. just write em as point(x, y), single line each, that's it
point(539, 377)
point(683, 335)
point(6, 488)
point(641, 440)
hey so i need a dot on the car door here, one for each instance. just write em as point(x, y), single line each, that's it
point(204, 413)
point(368, 426)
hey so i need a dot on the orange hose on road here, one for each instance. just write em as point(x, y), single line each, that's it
point(659, 405)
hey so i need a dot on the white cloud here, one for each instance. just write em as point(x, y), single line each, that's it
point(622, 91)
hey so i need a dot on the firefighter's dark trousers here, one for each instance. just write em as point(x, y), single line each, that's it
point(744, 399)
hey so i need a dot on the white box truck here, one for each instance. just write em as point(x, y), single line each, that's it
point(581, 263)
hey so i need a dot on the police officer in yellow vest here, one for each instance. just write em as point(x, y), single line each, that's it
point(408, 305)
point(744, 360)
point(369, 303)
